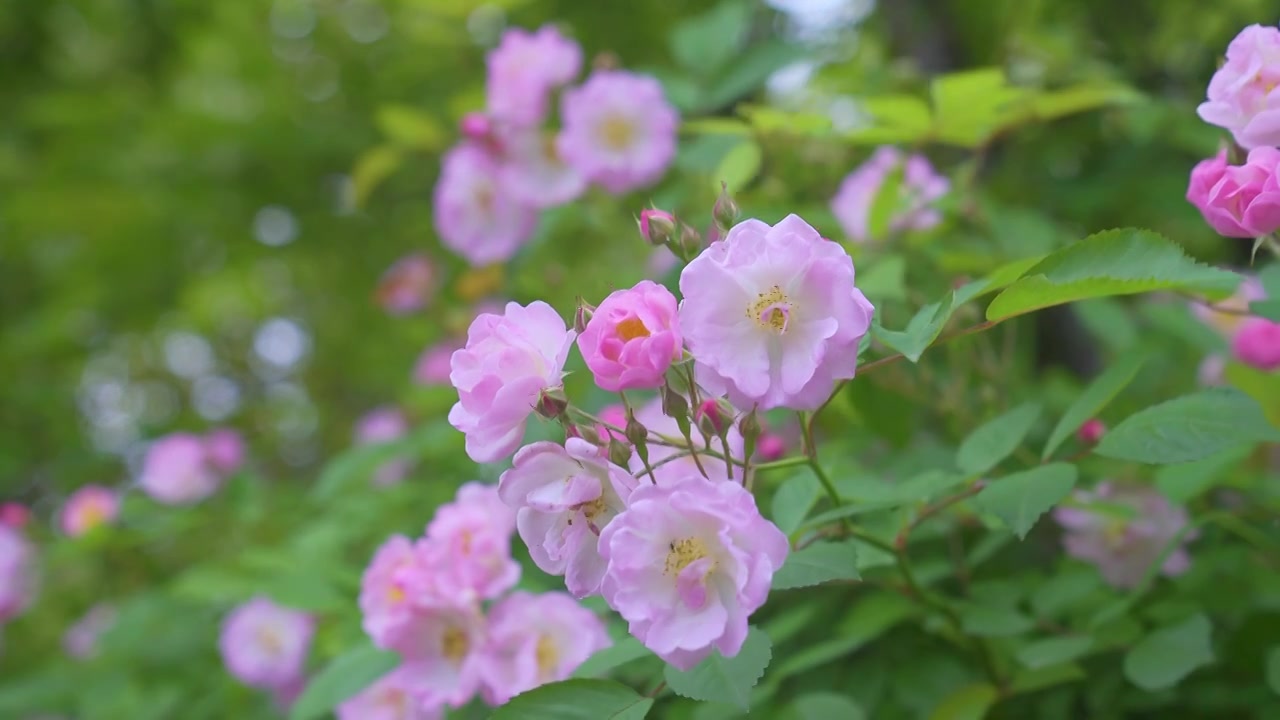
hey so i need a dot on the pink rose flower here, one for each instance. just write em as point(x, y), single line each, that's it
point(1243, 94)
point(445, 652)
point(770, 447)
point(386, 606)
point(615, 415)
point(1257, 344)
point(383, 425)
point(467, 550)
point(534, 640)
point(432, 367)
point(524, 69)
point(654, 420)
point(265, 645)
point(1121, 548)
point(476, 215)
point(224, 448)
point(564, 496)
point(1238, 200)
point(534, 172)
point(618, 130)
point(389, 698)
point(80, 641)
point(632, 338)
point(508, 361)
point(687, 565)
point(771, 315)
point(1226, 323)
point(920, 188)
point(407, 285)
point(177, 470)
point(89, 507)
point(17, 573)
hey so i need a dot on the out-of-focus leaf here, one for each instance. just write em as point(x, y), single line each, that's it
point(1169, 654)
point(1188, 428)
point(738, 167)
point(1184, 481)
point(576, 700)
point(1021, 498)
point(704, 43)
point(1052, 651)
point(410, 127)
point(619, 653)
point(372, 167)
point(827, 706)
point(968, 703)
point(995, 440)
point(793, 500)
point(342, 678)
point(1093, 399)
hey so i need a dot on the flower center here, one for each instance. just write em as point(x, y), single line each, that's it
point(616, 133)
point(632, 328)
point(93, 515)
point(593, 508)
point(547, 655)
point(1114, 533)
point(454, 644)
point(270, 640)
point(484, 197)
point(393, 698)
point(771, 310)
point(682, 553)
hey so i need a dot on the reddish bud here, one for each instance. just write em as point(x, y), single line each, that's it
point(771, 447)
point(15, 515)
point(1091, 432)
point(725, 212)
point(552, 403)
point(657, 227)
point(476, 126)
point(713, 416)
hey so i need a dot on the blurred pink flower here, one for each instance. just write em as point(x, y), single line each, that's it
point(1244, 94)
point(444, 647)
point(386, 608)
point(225, 450)
point(17, 573)
point(407, 285)
point(921, 187)
point(523, 71)
point(467, 550)
point(15, 515)
point(1240, 201)
point(389, 698)
point(383, 425)
point(534, 640)
point(432, 367)
point(80, 641)
point(771, 447)
point(632, 338)
point(1091, 432)
point(265, 645)
point(177, 470)
point(476, 215)
point(1257, 344)
point(618, 130)
point(88, 508)
point(1123, 548)
point(1226, 323)
point(536, 174)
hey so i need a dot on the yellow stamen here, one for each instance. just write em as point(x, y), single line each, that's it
point(632, 328)
point(683, 552)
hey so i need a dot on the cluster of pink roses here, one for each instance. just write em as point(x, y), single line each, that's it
point(1244, 97)
point(265, 646)
point(425, 599)
point(913, 209)
point(1124, 547)
point(184, 468)
point(617, 130)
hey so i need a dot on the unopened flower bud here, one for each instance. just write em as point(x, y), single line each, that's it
point(581, 315)
point(725, 212)
point(586, 433)
point(476, 126)
point(657, 227)
point(713, 416)
point(771, 447)
point(635, 432)
point(1091, 432)
point(750, 428)
point(552, 403)
point(619, 453)
point(674, 404)
point(690, 240)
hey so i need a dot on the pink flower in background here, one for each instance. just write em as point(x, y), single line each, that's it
point(618, 130)
point(467, 551)
point(88, 508)
point(225, 449)
point(914, 210)
point(476, 126)
point(177, 470)
point(1257, 344)
point(265, 645)
point(475, 213)
point(564, 496)
point(534, 640)
point(1238, 200)
point(687, 565)
point(770, 447)
point(615, 415)
point(407, 285)
point(1226, 323)
point(14, 515)
point(386, 604)
point(485, 497)
point(284, 696)
point(383, 425)
point(446, 654)
point(1210, 372)
point(81, 639)
point(1244, 96)
point(632, 338)
point(17, 573)
point(652, 417)
point(508, 361)
point(1123, 548)
point(1091, 432)
point(661, 262)
point(535, 173)
point(432, 367)
point(523, 71)
point(389, 698)
point(772, 315)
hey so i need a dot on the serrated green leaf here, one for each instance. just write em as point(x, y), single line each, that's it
point(995, 440)
point(1095, 397)
point(827, 706)
point(1021, 498)
point(721, 679)
point(1188, 428)
point(1163, 658)
point(820, 562)
point(738, 167)
point(576, 699)
point(1052, 651)
point(619, 653)
point(968, 703)
point(793, 500)
point(1183, 482)
point(1115, 262)
point(921, 331)
point(342, 678)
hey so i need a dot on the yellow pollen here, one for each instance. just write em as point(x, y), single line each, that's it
point(484, 197)
point(395, 594)
point(683, 552)
point(593, 508)
point(616, 132)
point(771, 318)
point(93, 515)
point(548, 656)
point(270, 639)
point(466, 542)
point(1114, 533)
point(454, 645)
point(632, 328)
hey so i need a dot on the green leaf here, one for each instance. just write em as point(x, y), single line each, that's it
point(995, 440)
point(619, 653)
point(921, 331)
point(1079, 98)
point(342, 678)
point(359, 462)
point(827, 706)
point(972, 105)
point(1188, 428)
point(1032, 680)
point(1269, 309)
point(1169, 654)
point(703, 43)
point(749, 71)
point(870, 618)
point(793, 500)
point(371, 168)
point(820, 562)
point(1053, 651)
point(1063, 591)
point(885, 205)
point(1273, 669)
point(721, 679)
point(1095, 397)
point(410, 127)
point(1114, 262)
point(968, 703)
point(1183, 482)
point(1021, 498)
point(767, 120)
point(738, 167)
point(1261, 386)
point(894, 119)
point(576, 700)
point(991, 621)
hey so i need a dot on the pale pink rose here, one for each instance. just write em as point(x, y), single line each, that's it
point(618, 130)
point(523, 71)
point(1124, 548)
point(1211, 371)
point(913, 209)
point(265, 645)
point(89, 507)
point(17, 573)
point(771, 315)
point(177, 470)
point(476, 215)
point(564, 497)
point(225, 449)
point(688, 563)
point(383, 425)
point(534, 640)
point(508, 361)
point(632, 338)
point(386, 606)
point(534, 172)
point(432, 367)
point(1226, 323)
point(15, 515)
point(467, 550)
point(1238, 200)
point(407, 285)
point(445, 649)
point(390, 697)
point(655, 421)
point(80, 641)
point(1243, 94)
point(1257, 344)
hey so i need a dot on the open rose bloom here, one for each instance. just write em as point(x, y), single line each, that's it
point(265, 645)
point(537, 639)
point(89, 507)
point(913, 209)
point(178, 471)
point(1244, 94)
point(1123, 547)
